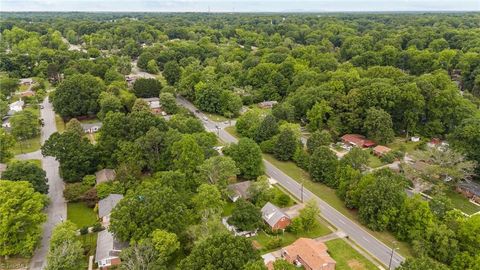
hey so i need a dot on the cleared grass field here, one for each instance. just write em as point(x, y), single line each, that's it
point(347, 258)
point(462, 203)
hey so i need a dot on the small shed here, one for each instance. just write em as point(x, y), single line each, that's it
point(267, 104)
point(91, 127)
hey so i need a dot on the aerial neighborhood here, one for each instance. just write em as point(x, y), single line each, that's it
point(239, 141)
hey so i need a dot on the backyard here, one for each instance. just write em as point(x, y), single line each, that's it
point(80, 214)
point(461, 202)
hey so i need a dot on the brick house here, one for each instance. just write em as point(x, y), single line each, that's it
point(357, 140)
point(381, 150)
point(310, 254)
point(275, 217)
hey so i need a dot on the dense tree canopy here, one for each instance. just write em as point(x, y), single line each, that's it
point(21, 209)
point(27, 171)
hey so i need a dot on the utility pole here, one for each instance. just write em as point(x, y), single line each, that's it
point(391, 255)
point(301, 192)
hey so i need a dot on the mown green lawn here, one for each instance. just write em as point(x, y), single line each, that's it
point(346, 257)
point(228, 209)
point(461, 202)
point(374, 161)
point(409, 146)
point(80, 214)
point(287, 237)
point(59, 123)
point(216, 117)
point(30, 145)
point(27, 146)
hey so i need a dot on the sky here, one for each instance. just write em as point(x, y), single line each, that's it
point(240, 5)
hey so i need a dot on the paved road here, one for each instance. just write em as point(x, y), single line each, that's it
point(57, 209)
point(354, 231)
point(137, 72)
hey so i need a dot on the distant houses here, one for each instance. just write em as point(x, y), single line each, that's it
point(274, 217)
point(108, 248)
point(239, 190)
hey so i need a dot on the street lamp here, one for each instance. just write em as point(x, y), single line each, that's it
point(391, 255)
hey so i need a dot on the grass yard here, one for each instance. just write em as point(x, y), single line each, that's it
point(232, 131)
point(347, 258)
point(13, 262)
point(89, 245)
point(59, 123)
point(398, 142)
point(37, 162)
point(373, 161)
point(287, 237)
point(461, 202)
point(228, 209)
point(328, 195)
point(30, 145)
point(216, 117)
point(90, 121)
point(80, 214)
point(27, 146)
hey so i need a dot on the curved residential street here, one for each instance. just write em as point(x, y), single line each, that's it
point(354, 231)
point(57, 209)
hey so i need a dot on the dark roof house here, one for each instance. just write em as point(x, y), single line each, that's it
point(239, 190)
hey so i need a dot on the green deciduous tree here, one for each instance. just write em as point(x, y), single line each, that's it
point(149, 207)
point(318, 115)
point(27, 171)
point(24, 125)
point(247, 156)
point(246, 216)
point(172, 72)
point(77, 156)
point(285, 145)
point(74, 126)
point(187, 155)
point(413, 219)
point(307, 220)
point(168, 102)
point(218, 170)
point(356, 158)
point(147, 88)
point(77, 95)
point(323, 165)
point(378, 126)
point(65, 248)
point(222, 252)
point(6, 143)
point(317, 139)
point(267, 129)
point(422, 263)
point(381, 200)
point(166, 243)
point(141, 256)
point(21, 214)
point(208, 201)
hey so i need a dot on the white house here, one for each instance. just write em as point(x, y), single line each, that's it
point(16, 106)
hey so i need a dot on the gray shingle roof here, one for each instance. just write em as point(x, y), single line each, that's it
point(272, 214)
point(107, 246)
point(471, 186)
point(106, 205)
point(240, 189)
